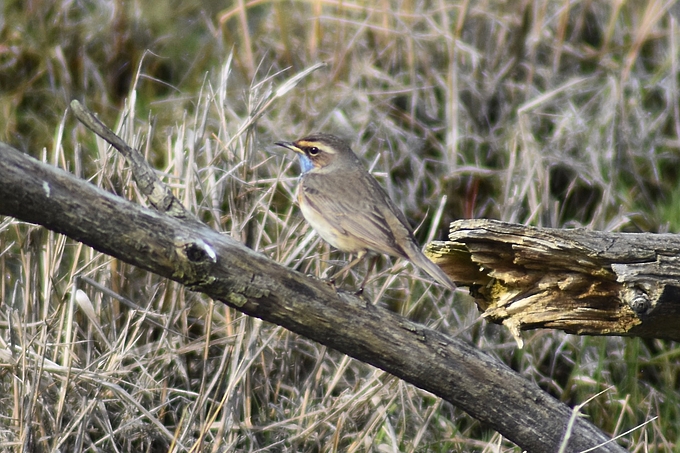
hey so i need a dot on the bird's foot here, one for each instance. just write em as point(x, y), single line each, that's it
point(330, 282)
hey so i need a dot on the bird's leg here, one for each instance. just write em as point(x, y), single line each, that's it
point(345, 270)
point(371, 265)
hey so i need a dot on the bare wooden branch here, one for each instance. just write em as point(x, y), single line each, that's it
point(195, 255)
point(579, 281)
point(158, 194)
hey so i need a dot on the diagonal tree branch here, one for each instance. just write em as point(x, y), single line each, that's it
point(195, 255)
point(158, 194)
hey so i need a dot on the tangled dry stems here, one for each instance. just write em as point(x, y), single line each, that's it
point(552, 114)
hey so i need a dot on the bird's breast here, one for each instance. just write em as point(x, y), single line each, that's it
point(324, 223)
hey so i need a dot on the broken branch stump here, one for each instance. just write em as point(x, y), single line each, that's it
point(576, 280)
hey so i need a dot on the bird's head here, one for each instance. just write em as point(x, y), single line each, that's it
point(319, 152)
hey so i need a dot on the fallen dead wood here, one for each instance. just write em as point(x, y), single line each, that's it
point(580, 281)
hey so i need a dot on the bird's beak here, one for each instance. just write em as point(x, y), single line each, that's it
point(289, 145)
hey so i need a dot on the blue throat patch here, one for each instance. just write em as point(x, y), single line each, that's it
point(305, 163)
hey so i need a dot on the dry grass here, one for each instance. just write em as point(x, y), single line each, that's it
point(548, 113)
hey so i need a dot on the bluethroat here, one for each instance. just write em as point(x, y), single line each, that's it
point(349, 209)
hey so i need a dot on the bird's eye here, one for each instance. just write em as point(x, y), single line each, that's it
point(313, 151)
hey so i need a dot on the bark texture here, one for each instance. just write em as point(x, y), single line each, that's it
point(579, 281)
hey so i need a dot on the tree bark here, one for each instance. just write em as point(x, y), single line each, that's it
point(579, 281)
point(191, 253)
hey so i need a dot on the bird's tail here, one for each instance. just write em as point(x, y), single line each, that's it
point(417, 257)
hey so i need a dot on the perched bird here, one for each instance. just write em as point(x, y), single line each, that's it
point(349, 209)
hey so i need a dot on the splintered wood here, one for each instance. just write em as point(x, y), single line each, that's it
point(580, 281)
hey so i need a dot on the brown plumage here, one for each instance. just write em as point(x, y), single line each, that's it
point(349, 209)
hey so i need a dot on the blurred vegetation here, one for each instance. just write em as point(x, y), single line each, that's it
point(542, 112)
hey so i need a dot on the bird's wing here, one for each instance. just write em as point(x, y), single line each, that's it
point(360, 208)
